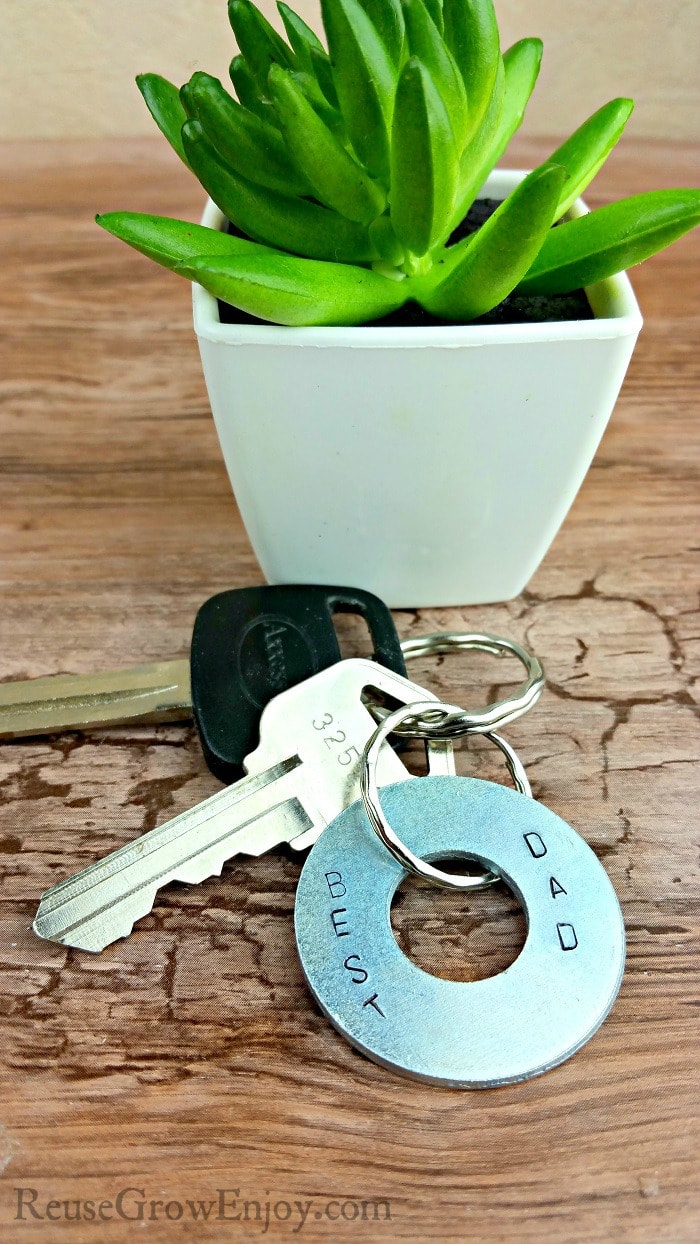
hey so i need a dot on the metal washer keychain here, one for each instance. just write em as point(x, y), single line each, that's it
point(500, 1030)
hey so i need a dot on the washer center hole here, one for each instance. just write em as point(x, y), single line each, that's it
point(458, 936)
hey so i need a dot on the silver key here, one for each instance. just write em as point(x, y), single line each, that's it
point(305, 770)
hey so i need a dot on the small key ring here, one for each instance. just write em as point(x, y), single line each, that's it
point(387, 835)
point(460, 721)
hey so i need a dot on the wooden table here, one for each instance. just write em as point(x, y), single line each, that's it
point(188, 1063)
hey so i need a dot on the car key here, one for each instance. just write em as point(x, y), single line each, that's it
point(248, 645)
point(305, 770)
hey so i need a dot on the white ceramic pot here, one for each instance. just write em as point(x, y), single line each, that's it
point(433, 466)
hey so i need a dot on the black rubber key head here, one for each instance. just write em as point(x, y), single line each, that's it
point(251, 643)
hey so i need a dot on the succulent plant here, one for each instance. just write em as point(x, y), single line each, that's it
point(344, 171)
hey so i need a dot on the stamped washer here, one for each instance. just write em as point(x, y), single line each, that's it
point(480, 1034)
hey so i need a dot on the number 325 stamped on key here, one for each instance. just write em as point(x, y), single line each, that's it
point(334, 738)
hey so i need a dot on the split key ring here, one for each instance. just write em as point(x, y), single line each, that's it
point(457, 722)
point(384, 831)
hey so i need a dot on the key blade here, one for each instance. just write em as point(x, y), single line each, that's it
point(290, 800)
point(101, 904)
point(146, 694)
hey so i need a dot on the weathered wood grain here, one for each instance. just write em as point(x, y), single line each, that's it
point(190, 1058)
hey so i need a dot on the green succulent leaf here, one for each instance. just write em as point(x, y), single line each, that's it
point(301, 36)
point(258, 41)
point(424, 161)
point(311, 55)
point(610, 239)
point(387, 18)
point(323, 73)
point(386, 243)
point(249, 145)
point(165, 106)
point(522, 64)
point(336, 177)
point(244, 85)
point(365, 80)
point(186, 100)
point(331, 117)
point(436, 11)
point(297, 292)
point(514, 86)
point(471, 33)
point(476, 162)
point(585, 152)
point(426, 43)
point(275, 219)
point(172, 242)
point(484, 269)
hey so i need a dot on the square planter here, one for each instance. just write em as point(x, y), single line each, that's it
point(432, 466)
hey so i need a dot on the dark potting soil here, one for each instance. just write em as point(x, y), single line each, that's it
point(515, 309)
